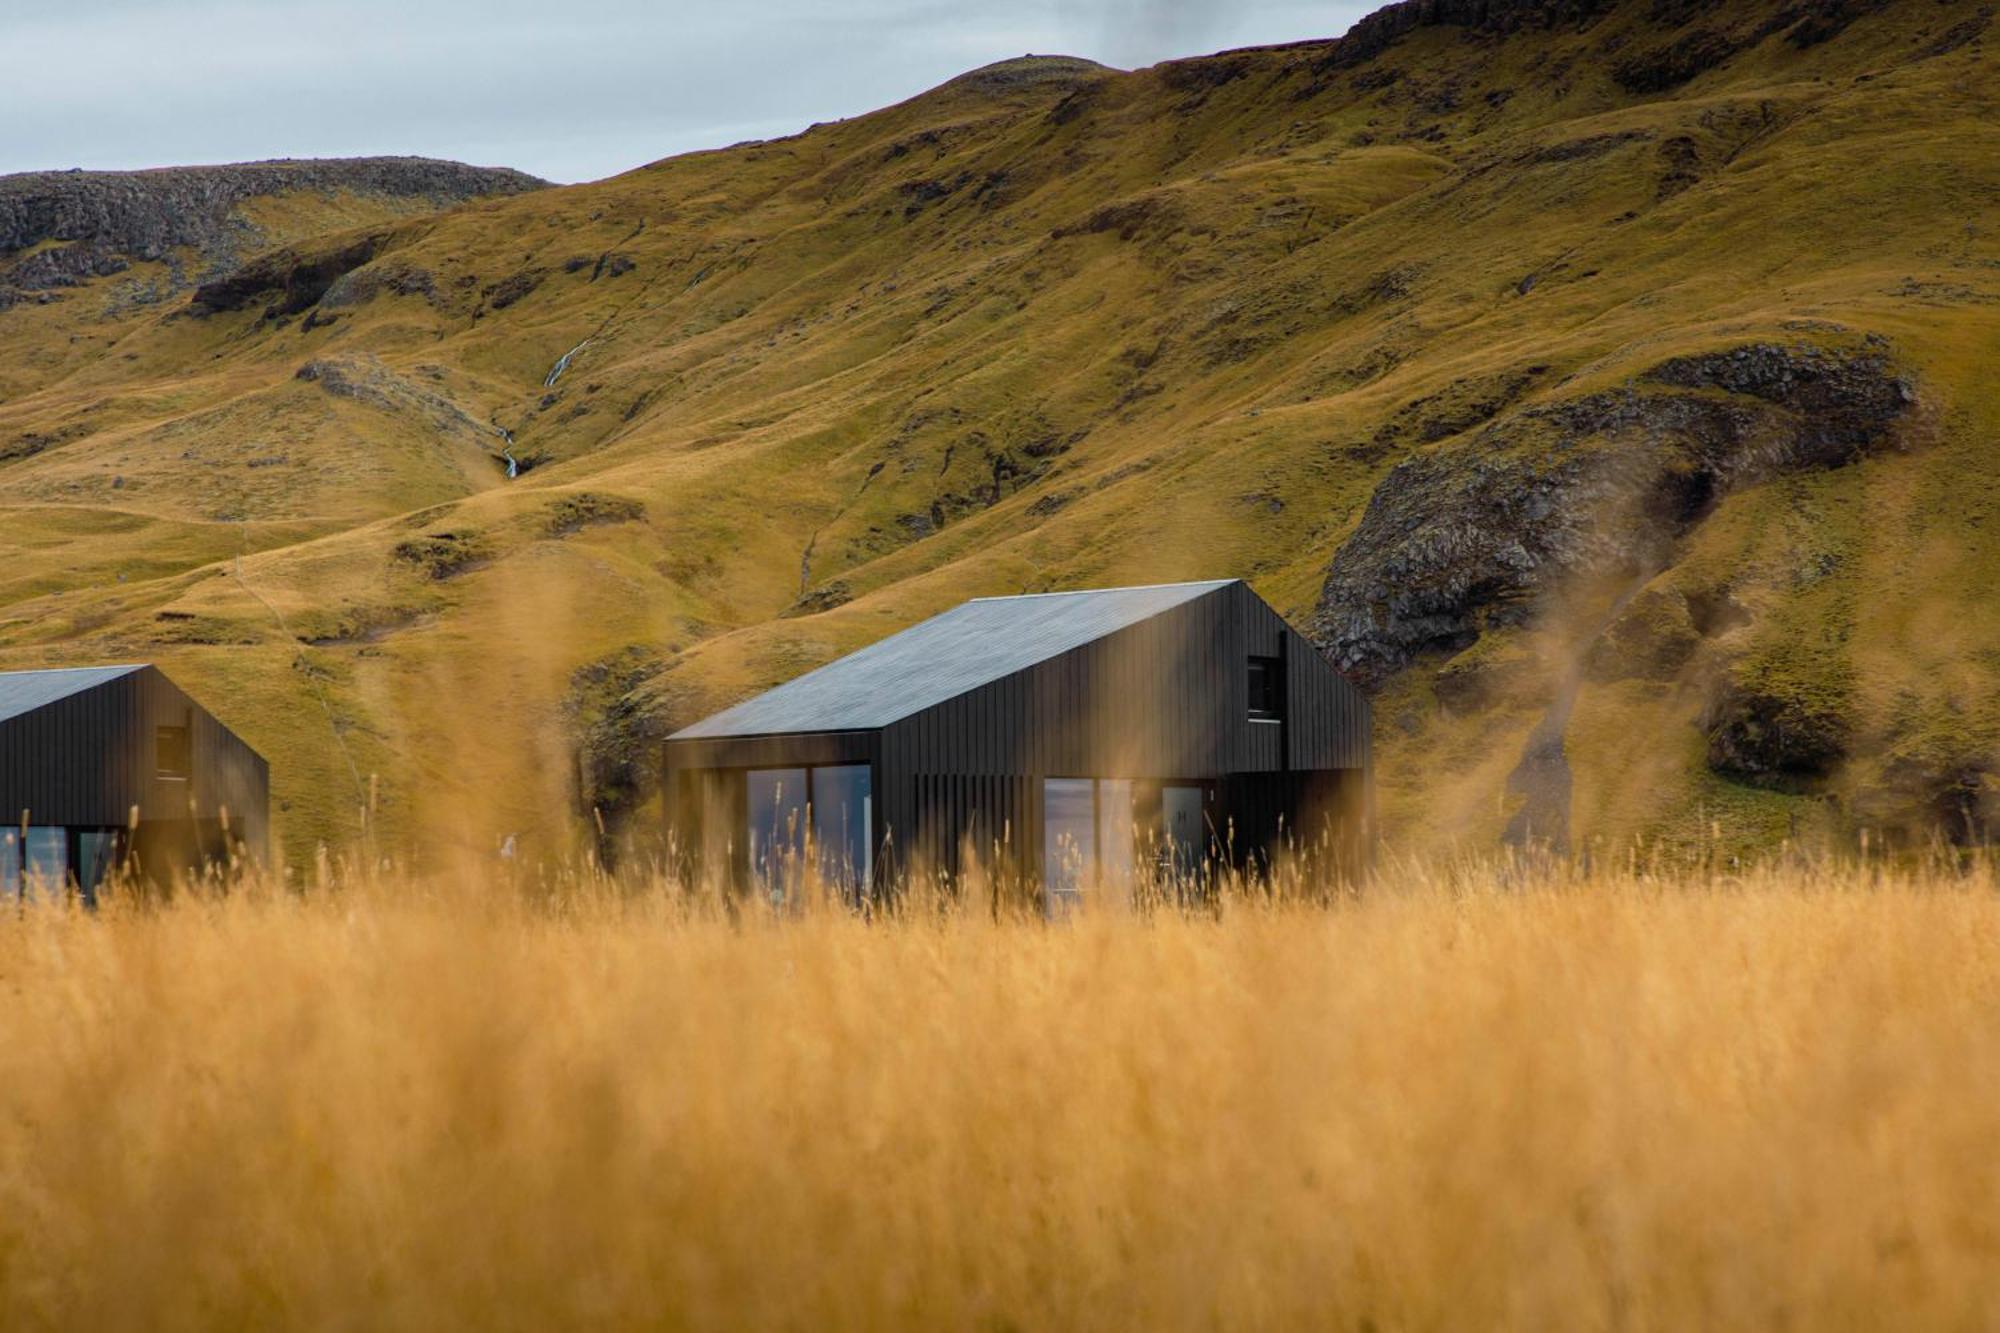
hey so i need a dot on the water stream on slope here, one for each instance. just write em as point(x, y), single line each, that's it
point(562, 364)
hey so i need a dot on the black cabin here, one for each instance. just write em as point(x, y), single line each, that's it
point(114, 767)
point(1062, 737)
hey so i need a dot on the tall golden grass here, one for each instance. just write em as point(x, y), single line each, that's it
point(1473, 1097)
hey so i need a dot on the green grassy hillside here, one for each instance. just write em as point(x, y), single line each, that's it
point(1604, 383)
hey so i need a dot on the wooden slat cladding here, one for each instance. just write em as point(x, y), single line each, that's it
point(1164, 700)
point(88, 759)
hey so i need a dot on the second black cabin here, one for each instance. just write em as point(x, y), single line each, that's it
point(115, 768)
point(1073, 738)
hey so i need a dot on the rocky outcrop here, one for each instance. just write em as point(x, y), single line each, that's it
point(1654, 638)
point(365, 380)
point(1773, 737)
point(1729, 29)
point(1918, 797)
point(1030, 73)
point(362, 285)
point(58, 227)
point(616, 720)
point(1383, 29)
point(64, 266)
point(291, 279)
point(1474, 533)
point(1837, 404)
point(146, 214)
point(570, 514)
point(444, 555)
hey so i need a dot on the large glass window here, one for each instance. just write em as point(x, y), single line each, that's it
point(47, 859)
point(1088, 838)
point(842, 822)
point(777, 809)
point(1069, 839)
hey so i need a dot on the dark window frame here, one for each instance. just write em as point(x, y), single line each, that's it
point(173, 752)
point(1264, 683)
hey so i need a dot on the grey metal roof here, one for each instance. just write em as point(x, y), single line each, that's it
point(25, 691)
point(941, 658)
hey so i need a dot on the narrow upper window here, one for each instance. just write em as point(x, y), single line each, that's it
point(173, 755)
point(1267, 689)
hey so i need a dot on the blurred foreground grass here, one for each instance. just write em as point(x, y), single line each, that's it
point(1467, 1098)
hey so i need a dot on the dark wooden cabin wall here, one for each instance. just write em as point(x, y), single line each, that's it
point(70, 762)
point(1165, 699)
point(706, 807)
point(952, 814)
point(86, 760)
point(787, 751)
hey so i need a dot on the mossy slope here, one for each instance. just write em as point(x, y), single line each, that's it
point(1055, 325)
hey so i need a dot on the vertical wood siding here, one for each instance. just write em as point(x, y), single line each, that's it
point(1164, 700)
point(88, 759)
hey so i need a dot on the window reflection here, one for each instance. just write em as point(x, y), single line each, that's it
point(97, 852)
point(1089, 837)
point(777, 809)
point(46, 859)
point(842, 819)
point(1180, 810)
point(1069, 840)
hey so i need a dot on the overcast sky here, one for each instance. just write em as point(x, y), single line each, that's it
point(571, 91)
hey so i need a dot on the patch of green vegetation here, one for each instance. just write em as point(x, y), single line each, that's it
point(570, 514)
point(444, 555)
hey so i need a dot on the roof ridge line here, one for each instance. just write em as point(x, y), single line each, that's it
point(1084, 592)
point(51, 671)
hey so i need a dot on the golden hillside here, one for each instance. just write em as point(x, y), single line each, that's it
point(1603, 383)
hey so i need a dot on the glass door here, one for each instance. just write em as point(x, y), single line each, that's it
point(97, 853)
point(1186, 833)
point(843, 821)
point(1069, 841)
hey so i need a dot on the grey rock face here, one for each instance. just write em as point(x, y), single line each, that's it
point(68, 266)
point(1768, 738)
point(144, 214)
point(296, 277)
point(1805, 24)
point(108, 219)
point(1385, 27)
point(1474, 533)
point(365, 380)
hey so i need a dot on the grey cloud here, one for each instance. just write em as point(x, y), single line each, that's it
point(570, 92)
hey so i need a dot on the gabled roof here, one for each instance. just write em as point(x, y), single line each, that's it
point(941, 658)
point(25, 691)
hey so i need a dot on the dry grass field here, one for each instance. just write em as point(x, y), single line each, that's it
point(1467, 1098)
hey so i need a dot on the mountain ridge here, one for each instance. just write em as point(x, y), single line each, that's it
point(78, 225)
point(1607, 375)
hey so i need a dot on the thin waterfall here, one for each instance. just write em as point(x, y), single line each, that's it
point(562, 364)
